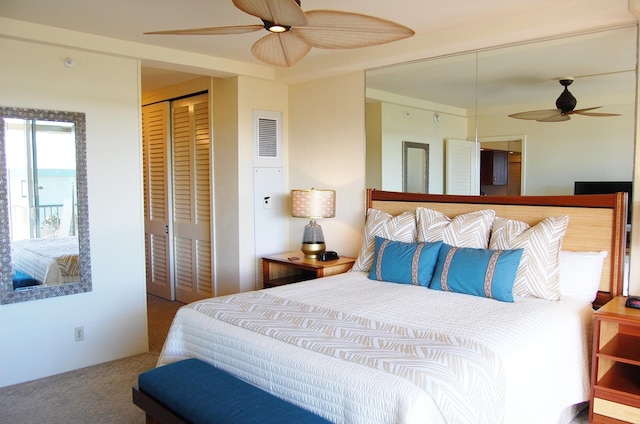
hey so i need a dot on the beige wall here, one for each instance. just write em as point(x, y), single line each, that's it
point(326, 150)
point(225, 187)
point(234, 100)
point(37, 337)
point(263, 95)
point(373, 146)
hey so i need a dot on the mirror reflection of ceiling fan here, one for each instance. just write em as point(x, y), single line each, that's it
point(565, 105)
point(294, 32)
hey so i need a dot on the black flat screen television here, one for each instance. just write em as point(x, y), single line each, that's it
point(604, 187)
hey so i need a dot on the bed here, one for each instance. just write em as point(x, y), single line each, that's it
point(49, 261)
point(356, 348)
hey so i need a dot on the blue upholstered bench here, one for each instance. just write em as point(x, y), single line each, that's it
point(192, 391)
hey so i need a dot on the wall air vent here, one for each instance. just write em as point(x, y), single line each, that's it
point(268, 139)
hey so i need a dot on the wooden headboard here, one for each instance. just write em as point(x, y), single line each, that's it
point(596, 222)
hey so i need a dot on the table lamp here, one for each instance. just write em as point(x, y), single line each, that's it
point(313, 204)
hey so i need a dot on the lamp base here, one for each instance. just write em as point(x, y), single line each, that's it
point(313, 250)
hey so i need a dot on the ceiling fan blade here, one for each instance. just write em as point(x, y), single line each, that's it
point(330, 29)
point(586, 112)
point(283, 12)
point(536, 115)
point(238, 29)
point(580, 112)
point(281, 49)
point(555, 118)
point(585, 109)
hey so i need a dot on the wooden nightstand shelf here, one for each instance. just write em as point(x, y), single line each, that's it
point(615, 374)
point(278, 270)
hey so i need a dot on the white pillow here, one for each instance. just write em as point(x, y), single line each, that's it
point(539, 270)
point(397, 228)
point(466, 230)
point(580, 274)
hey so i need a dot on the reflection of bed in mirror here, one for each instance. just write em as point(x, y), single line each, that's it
point(45, 261)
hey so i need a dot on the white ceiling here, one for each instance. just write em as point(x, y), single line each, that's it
point(128, 20)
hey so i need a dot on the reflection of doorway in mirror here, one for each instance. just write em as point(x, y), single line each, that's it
point(461, 169)
point(502, 166)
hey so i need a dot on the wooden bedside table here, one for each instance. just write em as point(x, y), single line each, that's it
point(615, 372)
point(281, 269)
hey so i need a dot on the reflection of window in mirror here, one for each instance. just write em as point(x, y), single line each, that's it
point(41, 172)
point(415, 167)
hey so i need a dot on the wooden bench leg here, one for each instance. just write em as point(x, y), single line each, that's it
point(156, 413)
point(150, 419)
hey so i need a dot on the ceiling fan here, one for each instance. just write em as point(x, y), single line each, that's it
point(294, 32)
point(565, 105)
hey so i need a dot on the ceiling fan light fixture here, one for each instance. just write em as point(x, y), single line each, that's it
point(276, 28)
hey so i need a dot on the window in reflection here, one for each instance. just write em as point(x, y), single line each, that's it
point(41, 170)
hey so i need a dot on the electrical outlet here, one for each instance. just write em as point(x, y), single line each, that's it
point(79, 333)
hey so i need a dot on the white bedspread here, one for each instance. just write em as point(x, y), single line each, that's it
point(486, 361)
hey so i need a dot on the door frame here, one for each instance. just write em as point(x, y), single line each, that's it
point(506, 139)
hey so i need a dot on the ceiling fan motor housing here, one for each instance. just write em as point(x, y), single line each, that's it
point(566, 102)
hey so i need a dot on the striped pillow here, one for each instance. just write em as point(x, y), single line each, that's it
point(539, 270)
point(467, 230)
point(379, 223)
point(404, 263)
point(478, 272)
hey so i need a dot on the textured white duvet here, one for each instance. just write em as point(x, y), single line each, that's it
point(486, 361)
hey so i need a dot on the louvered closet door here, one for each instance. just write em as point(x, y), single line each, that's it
point(155, 145)
point(192, 253)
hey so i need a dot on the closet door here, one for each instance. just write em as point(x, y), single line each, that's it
point(192, 251)
point(155, 158)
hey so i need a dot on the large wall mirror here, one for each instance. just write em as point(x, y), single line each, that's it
point(470, 96)
point(44, 217)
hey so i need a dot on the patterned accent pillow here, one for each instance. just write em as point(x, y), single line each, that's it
point(479, 272)
point(405, 263)
point(398, 228)
point(539, 270)
point(466, 230)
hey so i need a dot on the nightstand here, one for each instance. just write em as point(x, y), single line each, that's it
point(293, 267)
point(615, 372)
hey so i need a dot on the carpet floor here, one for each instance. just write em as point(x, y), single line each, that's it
point(93, 395)
point(100, 394)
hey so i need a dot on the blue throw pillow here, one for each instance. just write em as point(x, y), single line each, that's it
point(479, 272)
point(405, 263)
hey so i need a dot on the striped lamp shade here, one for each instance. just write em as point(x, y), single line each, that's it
point(313, 204)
